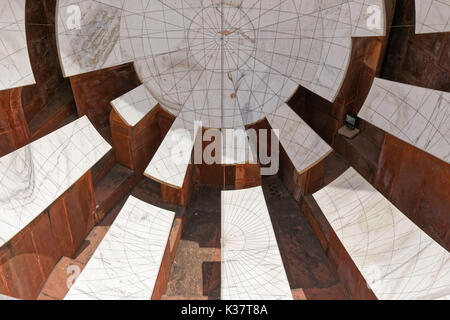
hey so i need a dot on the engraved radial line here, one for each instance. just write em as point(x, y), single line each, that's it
point(174, 9)
point(222, 66)
point(222, 40)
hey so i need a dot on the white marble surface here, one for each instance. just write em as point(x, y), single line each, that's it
point(304, 147)
point(225, 61)
point(170, 163)
point(179, 51)
point(133, 106)
point(397, 259)
point(33, 177)
point(432, 16)
point(418, 116)
point(126, 264)
point(252, 268)
point(92, 46)
point(15, 66)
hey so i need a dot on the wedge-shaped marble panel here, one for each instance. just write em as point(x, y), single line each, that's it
point(418, 116)
point(304, 147)
point(126, 264)
point(397, 259)
point(33, 177)
point(432, 16)
point(170, 163)
point(133, 106)
point(252, 268)
point(15, 66)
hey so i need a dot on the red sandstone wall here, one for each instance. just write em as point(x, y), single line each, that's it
point(17, 106)
point(135, 146)
point(41, 40)
point(327, 118)
point(27, 260)
point(14, 131)
point(416, 182)
point(420, 60)
point(94, 91)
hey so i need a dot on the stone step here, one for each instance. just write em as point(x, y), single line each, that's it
point(114, 186)
point(59, 111)
point(102, 167)
point(95, 237)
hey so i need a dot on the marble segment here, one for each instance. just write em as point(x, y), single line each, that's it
point(126, 264)
point(94, 45)
point(418, 116)
point(432, 16)
point(397, 259)
point(133, 106)
point(252, 268)
point(15, 66)
point(304, 147)
point(33, 177)
point(170, 163)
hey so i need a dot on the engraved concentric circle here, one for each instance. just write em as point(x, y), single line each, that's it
point(221, 39)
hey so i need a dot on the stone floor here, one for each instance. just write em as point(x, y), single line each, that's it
point(196, 270)
point(307, 267)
